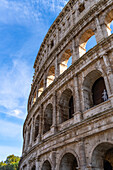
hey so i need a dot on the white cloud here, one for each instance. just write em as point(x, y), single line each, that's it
point(17, 12)
point(7, 150)
point(27, 12)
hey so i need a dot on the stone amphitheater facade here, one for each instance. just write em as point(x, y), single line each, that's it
point(69, 125)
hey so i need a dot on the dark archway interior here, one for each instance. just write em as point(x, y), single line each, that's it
point(99, 91)
point(46, 166)
point(68, 162)
point(66, 106)
point(36, 128)
point(33, 168)
point(71, 107)
point(107, 165)
point(102, 157)
point(48, 118)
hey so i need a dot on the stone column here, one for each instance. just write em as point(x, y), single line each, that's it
point(54, 125)
point(41, 123)
point(28, 166)
point(108, 71)
point(74, 58)
point(99, 34)
point(77, 110)
point(45, 80)
point(109, 77)
point(56, 67)
point(26, 140)
point(37, 164)
point(54, 159)
point(31, 133)
point(82, 155)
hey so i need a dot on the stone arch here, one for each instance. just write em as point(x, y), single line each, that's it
point(108, 20)
point(88, 84)
point(48, 118)
point(83, 40)
point(102, 156)
point(68, 161)
point(64, 60)
point(66, 106)
point(36, 133)
point(51, 75)
point(46, 165)
point(41, 88)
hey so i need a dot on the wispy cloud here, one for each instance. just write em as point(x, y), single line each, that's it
point(7, 150)
point(15, 88)
point(27, 12)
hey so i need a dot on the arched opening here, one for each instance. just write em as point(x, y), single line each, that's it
point(51, 75)
point(41, 88)
point(33, 168)
point(36, 127)
point(34, 98)
point(109, 22)
point(68, 162)
point(46, 166)
point(66, 106)
point(102, 157)
point(91, 43)
point(111, 27)
point(94, 90)
point(87, 35)
point(99, 91)
point(66, 60)
point(48, 118)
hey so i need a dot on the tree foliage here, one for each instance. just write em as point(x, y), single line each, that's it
point(11, 163)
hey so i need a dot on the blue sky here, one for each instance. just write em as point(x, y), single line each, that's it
point(23, 25)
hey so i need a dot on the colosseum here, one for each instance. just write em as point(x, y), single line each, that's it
point(69, 125)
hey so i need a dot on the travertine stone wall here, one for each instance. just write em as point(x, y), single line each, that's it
point(62, 136)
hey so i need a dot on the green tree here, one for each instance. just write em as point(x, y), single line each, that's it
point(11, 163)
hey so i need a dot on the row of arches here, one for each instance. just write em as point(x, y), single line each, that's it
point(94, 92)
point(101, 159)
point(87, 41)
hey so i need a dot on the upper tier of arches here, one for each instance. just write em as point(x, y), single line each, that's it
point(74, 42)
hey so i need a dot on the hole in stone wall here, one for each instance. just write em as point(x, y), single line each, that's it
point(89, 90)
point(91, 43)
point(48, 118)
point(52, 44)
point(66, 60)
point(41, 88)
point(102, 157)
point(66, 106)
point(51, 75)
point(109, 22)
point(36, 128)
point(87, 35)
point(69, 63)
point(68, 162)
point(34, 99)
point(111, 27)
point(46, 166)
point(99, 92)
point(33, 168)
